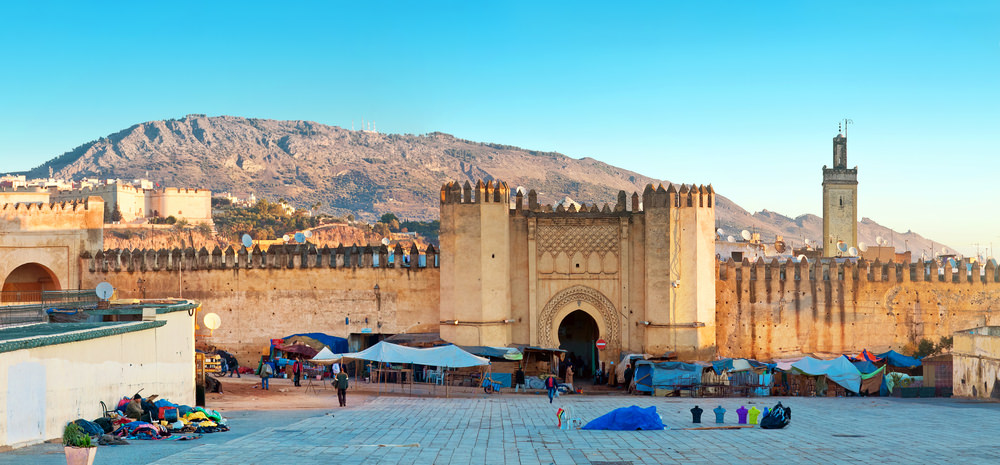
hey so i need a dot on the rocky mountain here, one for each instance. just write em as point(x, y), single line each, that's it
point(368, 173)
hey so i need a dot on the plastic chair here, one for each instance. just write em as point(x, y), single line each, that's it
point(104, 407)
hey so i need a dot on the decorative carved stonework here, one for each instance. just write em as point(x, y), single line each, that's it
point(579, 293)
point(601, 238)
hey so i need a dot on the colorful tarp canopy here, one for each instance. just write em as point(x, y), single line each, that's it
point(336, 344)
point(298, 349)
point(650, 375)
point(449, 356)
point(839, 370)
point(865, 367)
point(864, 356)
point(897, 359)
point(507, 353)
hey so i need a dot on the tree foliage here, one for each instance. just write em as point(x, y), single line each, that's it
point(264, 220)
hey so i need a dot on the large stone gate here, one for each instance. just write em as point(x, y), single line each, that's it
point(645, 272)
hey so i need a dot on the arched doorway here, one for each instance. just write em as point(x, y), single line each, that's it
point(26, 283)
point(578, 333)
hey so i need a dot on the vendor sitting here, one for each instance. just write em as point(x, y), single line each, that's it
point(141, 409)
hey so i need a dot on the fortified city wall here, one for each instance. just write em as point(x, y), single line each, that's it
point(766, 310)
point(286, 290)
point(194, 205)
point(52, 235)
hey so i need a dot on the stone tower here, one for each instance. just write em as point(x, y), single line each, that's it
point(840, 201)
point(679, 281)
point(475, 263)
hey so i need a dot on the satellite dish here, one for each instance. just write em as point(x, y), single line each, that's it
point(807, 241)
point(104, 290)
point(212, 321)
point(842, 246)
point(802, 258)
point(731, 239)
point(944, 250)
point(720, 232)
point(951, 262)
point(300, 238)
point(247, 241)
point(745, 235)
point(852, 252)
point(308, 233)
point(862, 246)
point(385, 241)
point(879, 240)
point(779, 246)
point(285, 238)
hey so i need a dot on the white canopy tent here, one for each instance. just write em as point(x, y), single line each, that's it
point(449, 356)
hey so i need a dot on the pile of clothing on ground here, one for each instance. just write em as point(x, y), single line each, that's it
point(152, 418)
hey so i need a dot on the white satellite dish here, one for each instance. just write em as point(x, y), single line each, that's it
point(852, 252)
point(862, 246)
point(308, 233)
point(285, 238)
point(731, 239)
point(720, 232)
point(879, 240)
point(300, 238)
point(944, 250)
point(807, 241)
point(802, 258)
point(385, 241)
point(745, 235)
point(247, 241)
point(842, 246)
point(104, 290)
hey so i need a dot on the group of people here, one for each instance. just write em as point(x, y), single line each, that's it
point(268, 368)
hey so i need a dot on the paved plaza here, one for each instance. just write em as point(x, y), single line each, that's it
point(521, 429)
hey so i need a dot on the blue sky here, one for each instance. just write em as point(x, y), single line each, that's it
point(745, 96)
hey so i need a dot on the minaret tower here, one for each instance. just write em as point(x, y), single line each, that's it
point(840, 199)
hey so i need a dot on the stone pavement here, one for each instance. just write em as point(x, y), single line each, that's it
point(520, 429)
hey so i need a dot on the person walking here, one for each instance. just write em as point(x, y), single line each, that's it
point(341, 383)
point(234, 367)
point(297, 372)
point(265, 374)
point(550, 385)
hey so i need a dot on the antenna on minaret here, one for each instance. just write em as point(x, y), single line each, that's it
point(844, 124)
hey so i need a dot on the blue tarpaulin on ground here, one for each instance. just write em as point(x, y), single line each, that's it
point(628, 419)
point(650, 375)
point(897, 359)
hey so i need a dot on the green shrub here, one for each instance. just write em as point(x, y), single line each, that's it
point(74, 436)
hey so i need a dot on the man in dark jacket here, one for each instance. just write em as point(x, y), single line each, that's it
point(341, 384)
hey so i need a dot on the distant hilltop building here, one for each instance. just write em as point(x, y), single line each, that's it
point(137, 201)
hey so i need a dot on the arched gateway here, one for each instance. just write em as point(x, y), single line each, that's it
point(585, 299)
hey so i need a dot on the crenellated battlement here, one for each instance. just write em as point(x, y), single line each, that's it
point(488, 192)
point(862, 271)
point(299, 256)
point(687, 196)
point(41, 207)
point(81, 215)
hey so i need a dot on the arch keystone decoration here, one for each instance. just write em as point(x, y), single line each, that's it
point(611, 323)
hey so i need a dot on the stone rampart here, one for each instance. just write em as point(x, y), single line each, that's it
point(765, 310)
point(285, 290)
